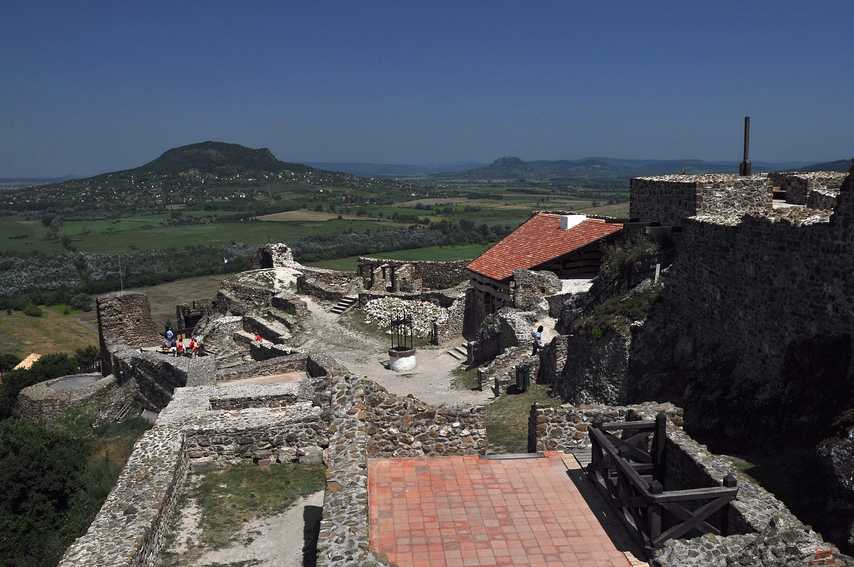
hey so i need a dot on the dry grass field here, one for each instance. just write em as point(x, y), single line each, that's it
point(53, 332)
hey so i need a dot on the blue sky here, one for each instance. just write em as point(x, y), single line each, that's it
point(96, 86)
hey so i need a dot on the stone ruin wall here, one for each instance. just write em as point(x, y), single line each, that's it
point(793, 273)
point(812, 188)
point(124, 319)
point(406, 427)
point(343, 418)
point(670, 199)
point(432, 274)
point(596, 371)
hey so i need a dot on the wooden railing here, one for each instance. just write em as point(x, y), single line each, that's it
point(629, 471)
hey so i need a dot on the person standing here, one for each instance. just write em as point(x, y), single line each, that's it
point(538, 340)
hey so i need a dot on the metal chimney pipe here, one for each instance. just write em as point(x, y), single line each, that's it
point(744, 169)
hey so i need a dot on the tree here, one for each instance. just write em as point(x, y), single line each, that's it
point(40, 471)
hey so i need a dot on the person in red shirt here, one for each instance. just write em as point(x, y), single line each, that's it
point(179, 347)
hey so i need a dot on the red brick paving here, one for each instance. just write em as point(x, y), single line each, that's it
point(469, 511)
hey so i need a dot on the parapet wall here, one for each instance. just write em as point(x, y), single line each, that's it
point(670, 199)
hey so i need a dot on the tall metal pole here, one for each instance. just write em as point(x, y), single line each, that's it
point(745, 168)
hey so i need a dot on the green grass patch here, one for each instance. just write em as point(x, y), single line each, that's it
point(507, 419)
point(465, 378)
point(241, 493)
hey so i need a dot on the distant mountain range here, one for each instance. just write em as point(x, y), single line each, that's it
point(601, 169)
point(838, 165)
point(395, 169)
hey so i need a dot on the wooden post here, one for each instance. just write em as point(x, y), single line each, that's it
point(659, 441)
point(654, 512)
point(730, 482)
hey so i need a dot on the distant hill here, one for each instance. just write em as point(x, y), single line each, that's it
point(181, 176)
point(838, 165)
point(598, 169)
point(394, 169)
point(219, 158)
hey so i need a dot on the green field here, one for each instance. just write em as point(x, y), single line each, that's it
point(19, 235)
point(451, 252)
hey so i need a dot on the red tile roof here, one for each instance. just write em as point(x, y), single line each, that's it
point(537, 241)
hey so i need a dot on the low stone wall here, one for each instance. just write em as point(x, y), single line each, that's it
point(329, 285)
point(433, 274)
point(564, 428)
point(277, 365)
point(501, 371)
point(406, 427)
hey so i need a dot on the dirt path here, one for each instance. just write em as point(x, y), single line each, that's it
point(365, 355)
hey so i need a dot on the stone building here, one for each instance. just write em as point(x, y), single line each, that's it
point(670, 199)
point(567, 245)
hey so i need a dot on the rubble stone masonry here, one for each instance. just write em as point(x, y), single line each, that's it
point(754, 332)
point(670, 199)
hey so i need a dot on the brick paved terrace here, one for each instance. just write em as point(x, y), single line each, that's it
point(472, 511)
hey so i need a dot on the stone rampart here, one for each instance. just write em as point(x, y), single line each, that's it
point(670, 199)
point(753, 335)
point(129, 529)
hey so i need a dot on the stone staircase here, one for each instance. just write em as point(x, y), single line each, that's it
point(344, 304)
point(459, 352)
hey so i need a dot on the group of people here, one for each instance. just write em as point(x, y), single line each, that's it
point(178, 345)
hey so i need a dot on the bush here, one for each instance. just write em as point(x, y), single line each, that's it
point(33, 310)
point(81, 301)
point(8, 362)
